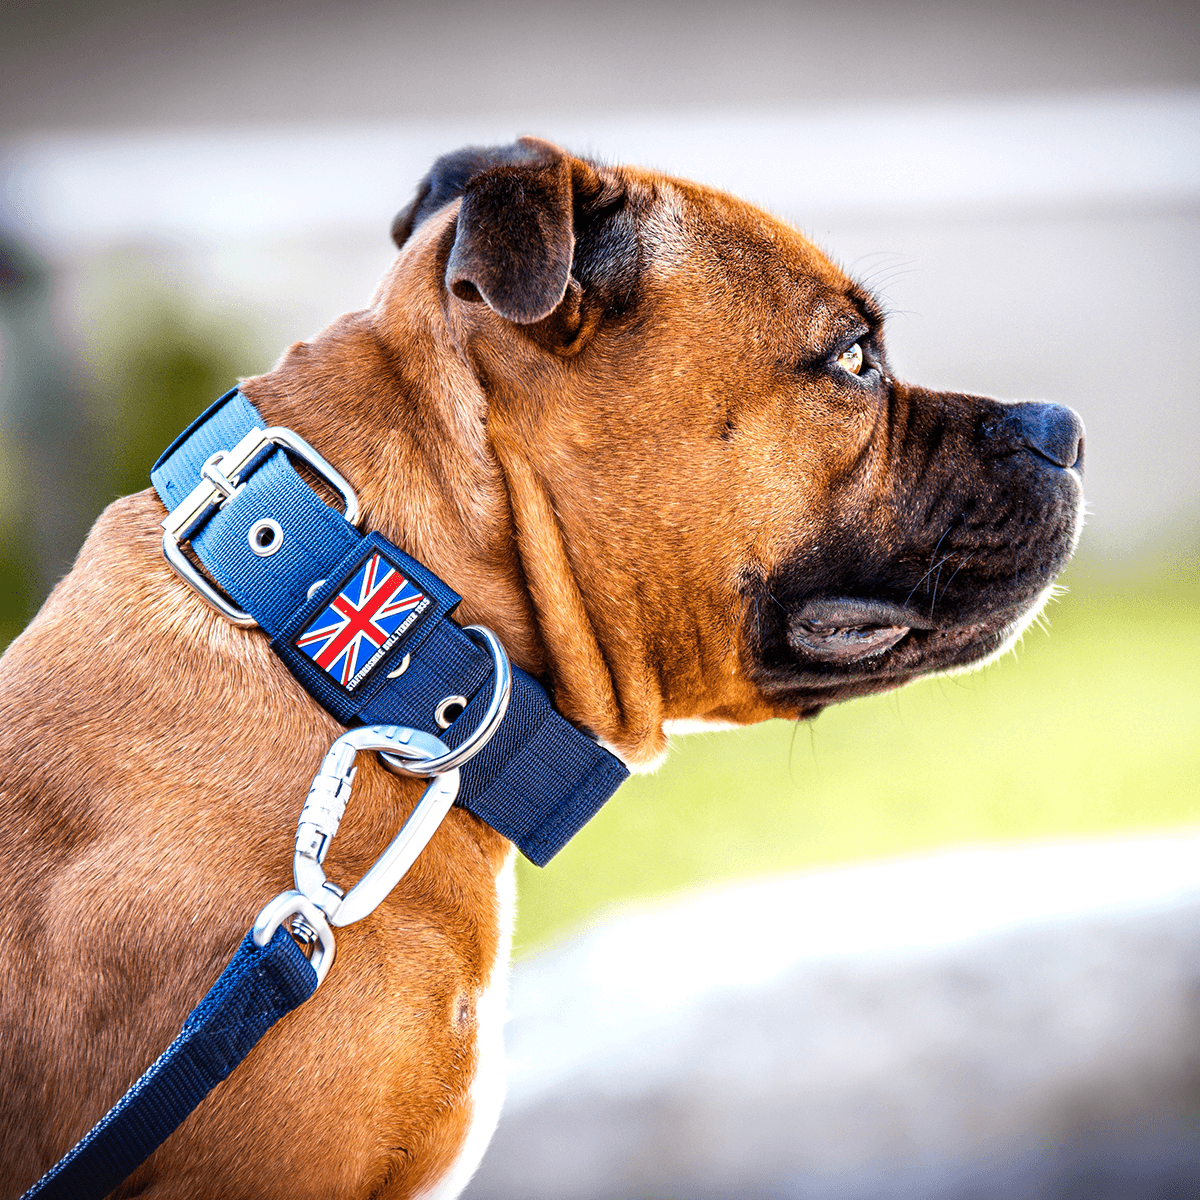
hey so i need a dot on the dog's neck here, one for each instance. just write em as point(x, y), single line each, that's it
point(461, 491)
point(433, 483)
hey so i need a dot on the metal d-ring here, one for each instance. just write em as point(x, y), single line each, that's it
point(489, 723)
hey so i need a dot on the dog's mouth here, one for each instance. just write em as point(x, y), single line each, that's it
point(831, 649)
point(869, 604)
point(848, 631)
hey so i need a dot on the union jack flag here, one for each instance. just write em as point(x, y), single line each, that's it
point(370, 613)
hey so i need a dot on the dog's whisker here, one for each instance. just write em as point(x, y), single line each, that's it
point(933, 566)
point(951, 579)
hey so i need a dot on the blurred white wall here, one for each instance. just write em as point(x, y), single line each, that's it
point(1029, 247)
point(1020, 182)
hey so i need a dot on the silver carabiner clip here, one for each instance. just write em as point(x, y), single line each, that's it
point(326, 802)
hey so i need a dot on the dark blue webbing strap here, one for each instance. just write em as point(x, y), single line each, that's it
point(539, 779)
point(258, 987)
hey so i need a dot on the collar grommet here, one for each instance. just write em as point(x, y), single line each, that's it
point(449, 711)
point(265, 537)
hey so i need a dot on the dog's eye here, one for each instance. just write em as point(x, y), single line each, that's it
point(851, 359)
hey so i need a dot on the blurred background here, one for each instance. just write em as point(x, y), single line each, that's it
point(940, 943)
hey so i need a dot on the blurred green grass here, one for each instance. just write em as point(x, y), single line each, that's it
point(1092, 728)
point(154, 364)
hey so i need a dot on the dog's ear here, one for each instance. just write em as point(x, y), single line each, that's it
point(449, 176)
point(514, 239)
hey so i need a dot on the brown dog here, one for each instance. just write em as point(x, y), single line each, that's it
point(650, 434)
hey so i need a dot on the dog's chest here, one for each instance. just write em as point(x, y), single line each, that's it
point(487, 1086)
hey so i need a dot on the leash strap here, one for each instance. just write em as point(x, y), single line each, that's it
point(538, 781)
point(258, 987)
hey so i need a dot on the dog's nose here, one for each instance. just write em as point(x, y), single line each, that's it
point(1052, 431)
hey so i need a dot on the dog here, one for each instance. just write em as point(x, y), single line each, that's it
point(650, 434)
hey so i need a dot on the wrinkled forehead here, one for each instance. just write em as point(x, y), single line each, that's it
point(739, 257)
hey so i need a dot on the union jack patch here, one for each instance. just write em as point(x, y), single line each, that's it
point(371, 612)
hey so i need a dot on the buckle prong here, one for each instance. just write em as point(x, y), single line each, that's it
point(211, 470)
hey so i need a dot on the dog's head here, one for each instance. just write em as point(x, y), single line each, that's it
point(722, 497)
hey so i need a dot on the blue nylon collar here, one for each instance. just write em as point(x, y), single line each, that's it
point(538, 781)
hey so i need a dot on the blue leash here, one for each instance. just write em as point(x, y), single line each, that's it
point(367, 630)
point(259, 986)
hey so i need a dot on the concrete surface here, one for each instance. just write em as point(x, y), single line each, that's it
point(994, 1023)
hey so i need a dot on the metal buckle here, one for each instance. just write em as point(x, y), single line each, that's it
point(222, 481)
point(488, 724)
point(326, 802)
